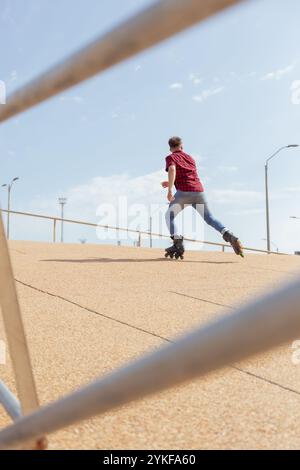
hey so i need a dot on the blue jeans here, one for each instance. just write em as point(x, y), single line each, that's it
point(198, 201)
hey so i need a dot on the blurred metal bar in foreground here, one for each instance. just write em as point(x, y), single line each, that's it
point(9, 402)
point(254, 328)
point(14, 330)
point(153, 25)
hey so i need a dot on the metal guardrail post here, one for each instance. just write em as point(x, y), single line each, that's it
point(54, 230)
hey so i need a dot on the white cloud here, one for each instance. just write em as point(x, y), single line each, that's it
point(205, 94)
point(2, 92)
point(239, 197)
point(295, 89)
point(110, 187)
point(137, 68)
point(227, 169)
point(74, 99)
point(198, 158)
point(117, 198)
point(195, 79)
point(242, 212)
point(251, 74)
point(278, 74)
point(176, 86)
point(13, 76)
point(83, 199)
point(294, 189)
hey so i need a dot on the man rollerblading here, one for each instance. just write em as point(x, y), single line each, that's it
point(182, 173)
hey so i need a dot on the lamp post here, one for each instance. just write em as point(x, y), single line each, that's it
point(267, 191)
point(9, 188)
point(62, 201)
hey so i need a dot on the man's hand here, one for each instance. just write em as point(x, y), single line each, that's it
point(170, 196)
point(165, 184)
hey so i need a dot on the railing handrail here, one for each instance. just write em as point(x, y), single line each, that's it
point(141, 232)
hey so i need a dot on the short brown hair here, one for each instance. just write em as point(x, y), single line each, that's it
point(175, 142)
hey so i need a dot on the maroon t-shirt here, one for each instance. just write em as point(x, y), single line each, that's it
point(187, 178)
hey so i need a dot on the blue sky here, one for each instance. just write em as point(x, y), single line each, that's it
point(224, 86)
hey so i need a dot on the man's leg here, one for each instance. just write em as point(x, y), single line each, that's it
point(210, 220)
point(202, 208)
point(174, 209)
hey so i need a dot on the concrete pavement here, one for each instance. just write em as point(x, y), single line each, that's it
point(90, 308)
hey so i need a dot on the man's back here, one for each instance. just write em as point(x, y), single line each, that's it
point(187, 178)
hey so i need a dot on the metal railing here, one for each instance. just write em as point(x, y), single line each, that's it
point(9, 402)
point(274, 318)
point(149, 234)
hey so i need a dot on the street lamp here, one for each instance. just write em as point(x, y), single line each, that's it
point(62, 201)
point(9, 187)
point(267, 191)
